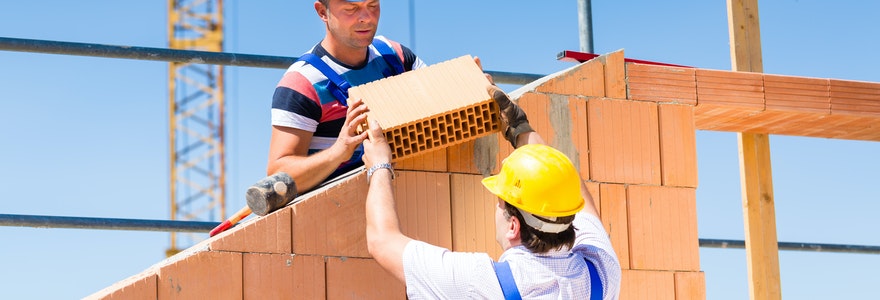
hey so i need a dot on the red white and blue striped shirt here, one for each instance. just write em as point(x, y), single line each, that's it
point(302, 100)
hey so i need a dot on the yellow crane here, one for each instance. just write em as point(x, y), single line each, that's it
point(196, 113)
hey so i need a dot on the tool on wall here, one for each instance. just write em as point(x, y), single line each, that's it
point(264, 197)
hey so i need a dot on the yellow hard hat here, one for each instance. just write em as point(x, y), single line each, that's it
point(539, 180)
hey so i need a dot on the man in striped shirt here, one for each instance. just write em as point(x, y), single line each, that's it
point(313, 131)
point(555, 246)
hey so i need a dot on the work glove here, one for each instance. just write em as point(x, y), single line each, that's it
point(512, 115)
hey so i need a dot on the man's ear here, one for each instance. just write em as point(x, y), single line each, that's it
point(321, 10)
point(513, 229)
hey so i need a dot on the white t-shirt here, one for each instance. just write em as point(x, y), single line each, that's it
point(433, 272)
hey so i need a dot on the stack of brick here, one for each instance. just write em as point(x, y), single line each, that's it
point(630, 128)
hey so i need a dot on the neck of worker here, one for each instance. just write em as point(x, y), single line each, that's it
point(345, 54)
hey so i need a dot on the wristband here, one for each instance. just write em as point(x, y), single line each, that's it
point(376, 167)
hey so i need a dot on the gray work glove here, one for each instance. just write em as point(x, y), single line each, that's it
point(511, 114)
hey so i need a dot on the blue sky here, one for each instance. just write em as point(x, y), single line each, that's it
point(84, 136)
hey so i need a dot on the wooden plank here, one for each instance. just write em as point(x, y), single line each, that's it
point(762, 252)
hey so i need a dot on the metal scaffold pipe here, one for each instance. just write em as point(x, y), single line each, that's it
point(106, 223)
point(793, 246)
point(190, 56)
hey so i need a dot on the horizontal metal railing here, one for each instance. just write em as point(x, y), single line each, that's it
point(191, 56)
point(205, 227)
point(105, 223)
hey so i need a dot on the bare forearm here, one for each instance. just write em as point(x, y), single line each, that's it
point(385, 241)
point(307, 171)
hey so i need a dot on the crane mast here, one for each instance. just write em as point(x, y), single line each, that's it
point(196, 112)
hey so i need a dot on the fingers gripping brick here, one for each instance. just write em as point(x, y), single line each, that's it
point(511, 114)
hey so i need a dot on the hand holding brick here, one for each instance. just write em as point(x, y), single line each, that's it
point(511, 114)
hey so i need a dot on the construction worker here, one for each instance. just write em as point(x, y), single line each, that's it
point(555, 246)
point(312, 133)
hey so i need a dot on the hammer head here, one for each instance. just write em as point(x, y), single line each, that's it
point(271, 193)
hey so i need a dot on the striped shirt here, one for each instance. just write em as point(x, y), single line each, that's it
point(433, 272)
point(302, 100)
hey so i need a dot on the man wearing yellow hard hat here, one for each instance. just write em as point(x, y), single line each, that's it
point(555, 246)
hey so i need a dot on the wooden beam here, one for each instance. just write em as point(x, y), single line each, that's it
point(762, 252)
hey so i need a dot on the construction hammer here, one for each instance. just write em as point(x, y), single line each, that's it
point(271, 193)
point(265, 196)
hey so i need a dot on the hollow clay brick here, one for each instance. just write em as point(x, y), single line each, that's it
point(661, 83)
point(267, 234)
point(282, 276)
point(433, 107)
point(855, 97)
point(797, 94)
point(473, 211)
point(663, 228)
point(690, 285)
point(678, 145)
point(142, 288)
point(614, 217)
point(331, 222)
point(203, 275)
point(358, 278)
point(730, 88)
point(647, 285)
point(586, 79)
point(423, 206)
point(624, 143)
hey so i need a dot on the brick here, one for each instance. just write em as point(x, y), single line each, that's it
point(799, 94)
point(473, 211)
point(690, 285)
point(203, 275)
point(423, 206)
point(647, 285)
point(282, 276)
point(429, 108)
point(577, 146)
point(855, 97)
point(480, 156)
point(730, 88)
point(266, 234)
point(140, 288)
point(432, 160)
point(719, 117)
point(663, 228)
point(356, 278)
point(624, 142)
point(332, 220)
point(615, 74)
point(562, 122)
point(614, 217)
point(661, 83)
point(678, 145)
point(586, 79)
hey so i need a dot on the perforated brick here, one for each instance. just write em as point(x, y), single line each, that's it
point(441, 105)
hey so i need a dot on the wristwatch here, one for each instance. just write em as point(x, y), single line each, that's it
point(377, 167)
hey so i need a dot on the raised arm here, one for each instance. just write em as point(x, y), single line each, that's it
point(385, 241)
point(518, 132)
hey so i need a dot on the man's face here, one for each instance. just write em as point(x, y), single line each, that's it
point(353, 24)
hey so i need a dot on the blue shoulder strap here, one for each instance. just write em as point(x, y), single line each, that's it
point(337, 85)
point(508, 285)
point(505, 278)
point(388, 54)
point(595, 281)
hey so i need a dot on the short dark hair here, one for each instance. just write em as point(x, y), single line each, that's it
point(538, 241)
